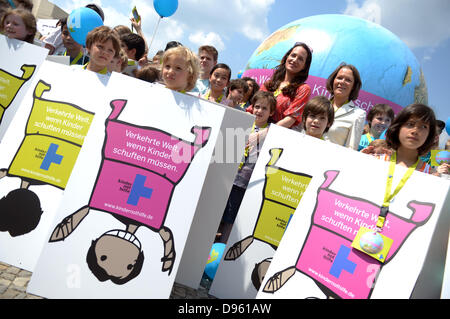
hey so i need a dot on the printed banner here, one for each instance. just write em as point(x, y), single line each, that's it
point(315, 258)
point(39, 152)
point(19, 63)
point(128, 206)
point(53, 138)
point(275, 191)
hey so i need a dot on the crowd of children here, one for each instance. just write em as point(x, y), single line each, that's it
point(408, 137)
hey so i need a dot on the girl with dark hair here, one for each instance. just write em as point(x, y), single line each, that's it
point(410, 135)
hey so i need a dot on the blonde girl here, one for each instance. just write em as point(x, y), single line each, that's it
point(180, 69)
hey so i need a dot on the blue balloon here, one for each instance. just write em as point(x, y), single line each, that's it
point(447, 126)
point(165, 8)
point(81, 21)
point(214, 259)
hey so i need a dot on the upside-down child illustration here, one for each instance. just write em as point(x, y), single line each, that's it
point(46, 156)
point(282, 192)
point(135, 185)
point(327, 254)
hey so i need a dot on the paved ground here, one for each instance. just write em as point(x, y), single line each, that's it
point(14, 281)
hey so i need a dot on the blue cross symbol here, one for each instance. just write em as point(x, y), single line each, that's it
point(341, 262)
point(51, 157)
point(138, 190)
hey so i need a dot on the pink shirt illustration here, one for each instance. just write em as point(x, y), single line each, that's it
point(140, 169)
point(327, 256)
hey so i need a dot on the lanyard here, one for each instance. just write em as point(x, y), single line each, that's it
point(76, 59)
point(246, 151)
point(337, 108)
point(276, 93)
point(369, 137)
point(218, 100)
point(388, 196)
point(103, 71)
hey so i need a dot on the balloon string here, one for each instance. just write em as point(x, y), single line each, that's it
point(154, 33)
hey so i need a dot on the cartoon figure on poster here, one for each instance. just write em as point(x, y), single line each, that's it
point(135, 185)
point(10, 85)
point(343, 243)
point(54, 135)
point(282, 193)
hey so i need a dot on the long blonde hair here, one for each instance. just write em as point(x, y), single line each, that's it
point(192, 62)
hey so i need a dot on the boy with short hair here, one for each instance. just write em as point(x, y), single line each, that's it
point(134, 46)
point(102, 44)
point(72, 48)
point(119, 62)
point(318, 116)
point(236, 91)
point(379, 118)
point(208, 56)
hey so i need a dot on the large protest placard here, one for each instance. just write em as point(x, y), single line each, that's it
point(319, 257)
point(19, 62)
point(272, 196)
point(126, 213)
point(38, 153)
point(228, 152)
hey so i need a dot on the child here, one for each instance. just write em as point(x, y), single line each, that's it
point(180, 68)
point(119, 62)
point(134, 47)
point(236, 91)
point(410, 135)
point(379, 147)
point(102, 44)
point(318, 116)
point(379, 118)
point(148, 73)
point(53, 41)
point(253, 87)
point(219, 78)
point(264, 105)
point(19, 24)
point(72, 49)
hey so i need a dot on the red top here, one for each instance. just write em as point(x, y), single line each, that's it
point(287, 107)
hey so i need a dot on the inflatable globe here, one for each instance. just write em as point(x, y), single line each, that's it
point(389, 70)
point(371, 242)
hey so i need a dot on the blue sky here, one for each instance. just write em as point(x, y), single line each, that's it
point(237, 27)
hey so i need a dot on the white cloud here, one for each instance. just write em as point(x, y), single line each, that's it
point(418, 23)
point(211, 38)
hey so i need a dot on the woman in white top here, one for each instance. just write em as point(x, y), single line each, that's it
point(344, 85)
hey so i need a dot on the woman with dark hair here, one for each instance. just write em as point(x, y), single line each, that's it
point(344, 85)
point(288, 85)
point(289, 88)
